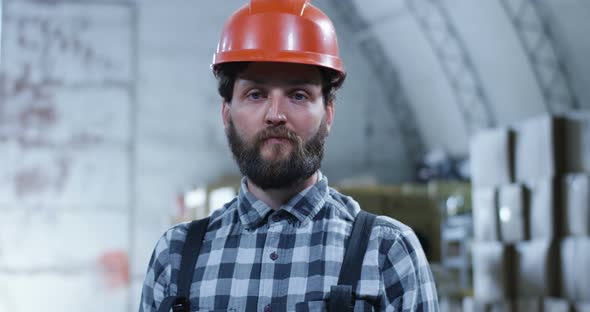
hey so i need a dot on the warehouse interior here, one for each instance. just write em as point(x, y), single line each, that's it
point(469, 121)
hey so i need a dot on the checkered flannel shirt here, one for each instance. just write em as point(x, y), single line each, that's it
point(256, 259)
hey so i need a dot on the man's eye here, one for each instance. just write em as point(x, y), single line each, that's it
point(254, 95)
point(299, 96)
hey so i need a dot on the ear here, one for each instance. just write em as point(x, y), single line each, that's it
point(330, 110)
point(225, 113)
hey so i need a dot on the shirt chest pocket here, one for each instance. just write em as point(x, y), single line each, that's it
point(321, 306)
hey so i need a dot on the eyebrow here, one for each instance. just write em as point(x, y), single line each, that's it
point(288, 82)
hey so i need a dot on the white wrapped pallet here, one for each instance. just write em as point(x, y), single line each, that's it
point(492, 271)
point(539, 148)
point(545, 208)
point(491, 157)
point(485, 214)
point(577, 204)
point(575, 268)
point(512, 213)
point(535, 268)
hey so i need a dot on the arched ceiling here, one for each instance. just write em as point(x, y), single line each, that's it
point(461, 65)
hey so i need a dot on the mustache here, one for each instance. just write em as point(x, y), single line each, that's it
point(281, 132)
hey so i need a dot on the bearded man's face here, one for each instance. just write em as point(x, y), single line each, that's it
point(277, 122)
point(287, 162)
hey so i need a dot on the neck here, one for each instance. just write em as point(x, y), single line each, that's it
point(275, 198)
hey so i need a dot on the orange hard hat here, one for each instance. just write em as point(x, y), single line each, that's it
point(291, 31)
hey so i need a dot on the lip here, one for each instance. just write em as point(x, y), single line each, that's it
point(277, 140)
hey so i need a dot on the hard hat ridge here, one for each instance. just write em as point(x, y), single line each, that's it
point(287, 6)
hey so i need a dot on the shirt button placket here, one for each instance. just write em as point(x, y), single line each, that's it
point(269, 287)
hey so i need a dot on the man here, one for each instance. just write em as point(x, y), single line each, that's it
point(280, 244)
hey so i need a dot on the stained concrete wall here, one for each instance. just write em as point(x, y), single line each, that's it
point(65, 140)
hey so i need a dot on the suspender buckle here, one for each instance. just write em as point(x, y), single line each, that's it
point(181, 304)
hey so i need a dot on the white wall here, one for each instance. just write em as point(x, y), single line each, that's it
point(492, 44)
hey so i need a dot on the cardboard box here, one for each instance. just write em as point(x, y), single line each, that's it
point(485, 214)
point(542, 304)
point(552, 304)
point(512, 213)
point(492, 271)
point(539, 148)
point(491, 160)
point(449, 304)
point(568, 268)
point(472, 305)
point(575, 268)
point(536, 269)
point(577, 204)
point(582, 306)
point(545, 208)
point(578, 142)
point(529, 304)
point(416, 210)
point(503, 306)
point(537, 304)
point(583, 276)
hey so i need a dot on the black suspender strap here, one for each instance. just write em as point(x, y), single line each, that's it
point(341, 298)
point(350, 273)
point(190, 252)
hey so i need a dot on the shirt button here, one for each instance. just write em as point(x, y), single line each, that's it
point(273, 256)
point(276, 218)
point(267, 308)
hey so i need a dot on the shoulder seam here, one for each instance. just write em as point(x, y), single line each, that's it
point(400, 230)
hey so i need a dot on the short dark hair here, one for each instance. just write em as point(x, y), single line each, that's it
point(226, 74)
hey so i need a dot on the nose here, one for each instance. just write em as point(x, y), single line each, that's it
point(275, 115)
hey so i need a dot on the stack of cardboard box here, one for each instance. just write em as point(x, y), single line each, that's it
point(531, 186)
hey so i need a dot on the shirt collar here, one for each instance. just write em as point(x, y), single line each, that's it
point(305, 205)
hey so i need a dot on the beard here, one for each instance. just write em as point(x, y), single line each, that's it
point(288, 171)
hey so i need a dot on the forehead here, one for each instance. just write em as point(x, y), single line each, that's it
point(269, 72)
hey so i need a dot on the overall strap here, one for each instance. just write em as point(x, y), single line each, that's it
point(341, 297)
point(190, 252)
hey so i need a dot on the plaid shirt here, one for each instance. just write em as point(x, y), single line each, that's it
point(256, 259)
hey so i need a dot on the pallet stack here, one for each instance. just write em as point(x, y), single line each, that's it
point(531, 210)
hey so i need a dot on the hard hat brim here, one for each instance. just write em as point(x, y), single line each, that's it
point(298, 57)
